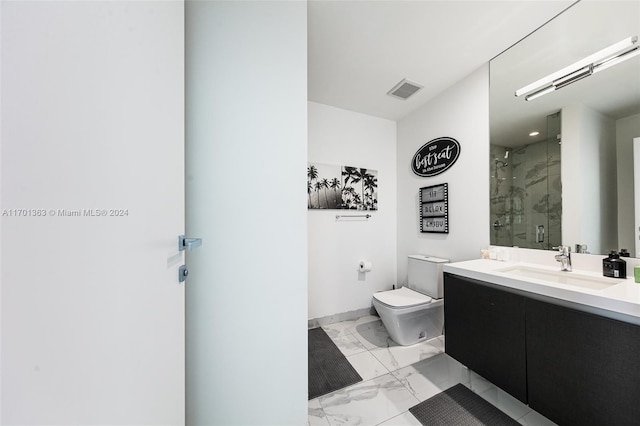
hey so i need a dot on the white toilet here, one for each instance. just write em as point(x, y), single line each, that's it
point(414, 313)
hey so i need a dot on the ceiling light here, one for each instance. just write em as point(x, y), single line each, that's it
point(534, 133)
point(596, 62)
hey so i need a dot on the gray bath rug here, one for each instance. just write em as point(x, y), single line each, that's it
point(329, 370)
point(459, 406)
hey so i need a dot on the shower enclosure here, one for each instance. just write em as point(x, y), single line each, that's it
point(526, 192)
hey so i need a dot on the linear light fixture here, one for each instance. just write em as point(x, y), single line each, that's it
point(601, 60)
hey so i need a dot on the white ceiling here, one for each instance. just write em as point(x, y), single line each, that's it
point(358, 50)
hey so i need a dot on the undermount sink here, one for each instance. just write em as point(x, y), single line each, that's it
point(560, 277)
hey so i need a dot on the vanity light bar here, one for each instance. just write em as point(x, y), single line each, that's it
point(562, 81)
point(573, 77)
point(605, 58)
point(540, 92)
point(615, 60)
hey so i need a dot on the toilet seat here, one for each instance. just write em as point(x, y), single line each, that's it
point(402, 297)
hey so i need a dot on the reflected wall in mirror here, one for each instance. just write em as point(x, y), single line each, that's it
point(572, 182)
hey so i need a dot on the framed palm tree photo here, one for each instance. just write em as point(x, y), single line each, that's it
point(359, 188)
point(324, 186)
point(341, 187)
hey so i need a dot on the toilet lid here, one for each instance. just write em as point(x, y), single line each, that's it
point(402, 297)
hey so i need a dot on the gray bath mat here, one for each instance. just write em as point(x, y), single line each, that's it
point(329, 370)
point(459, 406)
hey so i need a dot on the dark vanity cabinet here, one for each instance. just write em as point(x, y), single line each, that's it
point(485, 330)
point(582, 369)
point(574, 367)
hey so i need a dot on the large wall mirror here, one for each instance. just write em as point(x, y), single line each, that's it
point(562, 159)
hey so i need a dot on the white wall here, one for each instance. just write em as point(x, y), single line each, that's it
point(246, 112)
point(627, 129)
point(345, 138)
point(461, 112)
point(588, 172)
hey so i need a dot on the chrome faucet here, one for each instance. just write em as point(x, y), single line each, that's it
point(564, 257)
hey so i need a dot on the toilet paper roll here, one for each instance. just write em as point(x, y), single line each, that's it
point(364, 266)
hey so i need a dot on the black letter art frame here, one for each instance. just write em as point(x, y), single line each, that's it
point(434, 209)
point(435, 157)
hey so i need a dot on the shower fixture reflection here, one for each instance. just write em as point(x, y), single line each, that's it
point(499, 165)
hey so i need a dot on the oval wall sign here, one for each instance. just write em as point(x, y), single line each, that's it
point(435, 156)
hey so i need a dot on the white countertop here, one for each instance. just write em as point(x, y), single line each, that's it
point(622, 297)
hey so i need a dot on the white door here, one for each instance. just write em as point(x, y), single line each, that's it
point(92, 204)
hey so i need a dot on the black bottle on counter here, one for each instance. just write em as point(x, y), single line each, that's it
point(613, 266)
point(624, 253)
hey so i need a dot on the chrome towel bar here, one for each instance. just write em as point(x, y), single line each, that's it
point(366, 216)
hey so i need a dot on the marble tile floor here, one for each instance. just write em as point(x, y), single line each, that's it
point(395, 378)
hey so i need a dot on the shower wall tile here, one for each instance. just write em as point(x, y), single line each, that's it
point(500, 199)
point(554, 158)
point(534, 196)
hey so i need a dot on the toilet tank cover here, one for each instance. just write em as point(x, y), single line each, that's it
point(428, 258)
point(402, 297)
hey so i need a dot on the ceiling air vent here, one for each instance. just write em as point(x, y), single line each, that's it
point(404, 89)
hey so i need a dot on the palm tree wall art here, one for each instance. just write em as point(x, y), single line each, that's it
point(346, 187)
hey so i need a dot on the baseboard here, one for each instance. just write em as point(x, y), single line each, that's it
point(345, 316)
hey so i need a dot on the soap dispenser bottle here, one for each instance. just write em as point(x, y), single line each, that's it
point(614, 267)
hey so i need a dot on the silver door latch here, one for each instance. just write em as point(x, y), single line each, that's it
point(185, 243)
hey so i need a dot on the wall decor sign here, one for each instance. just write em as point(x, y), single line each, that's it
point(434, 209)
point(341, 187)
point(435, 157)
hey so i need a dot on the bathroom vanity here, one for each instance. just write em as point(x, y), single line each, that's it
point(567, 344)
